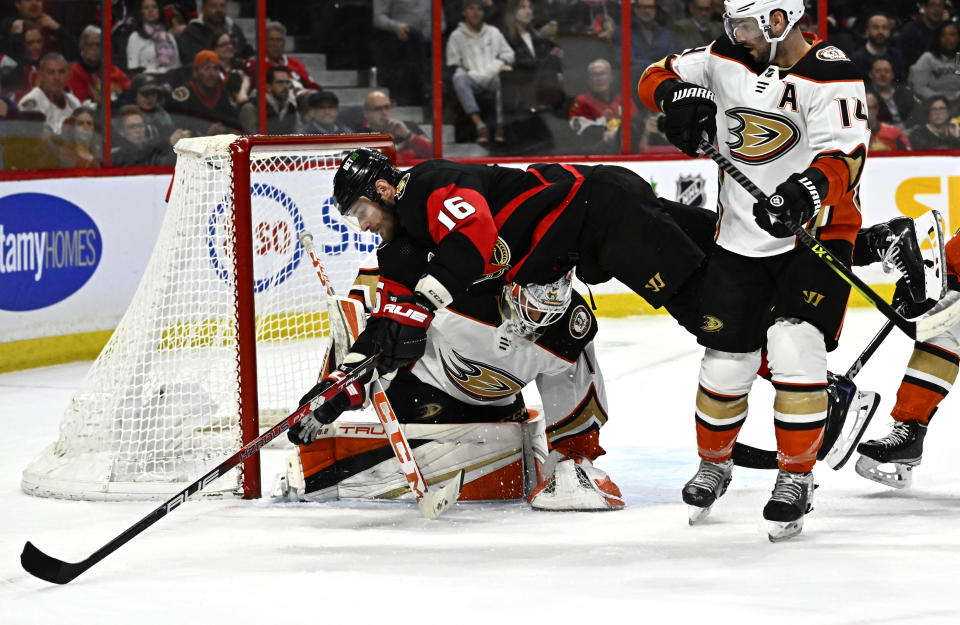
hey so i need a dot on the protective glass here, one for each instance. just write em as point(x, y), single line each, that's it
point(742, 29)
point(529, 309)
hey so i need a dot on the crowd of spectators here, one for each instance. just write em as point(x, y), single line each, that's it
point(519, 76)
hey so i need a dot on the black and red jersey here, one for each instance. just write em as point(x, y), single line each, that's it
point(485, 221)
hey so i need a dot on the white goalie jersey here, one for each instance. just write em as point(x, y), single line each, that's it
point(462, 359)
point(773, 122)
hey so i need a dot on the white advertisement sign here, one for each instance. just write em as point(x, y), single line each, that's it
point(72, 251)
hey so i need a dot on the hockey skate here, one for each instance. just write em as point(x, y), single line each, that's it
point(848, 415)
point(704, 488)
point(791, 500)
point(575, 484)
point(901, 449)
point(898, 245)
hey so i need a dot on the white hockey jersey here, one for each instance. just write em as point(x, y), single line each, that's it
point(773, 122)
point(462, 360)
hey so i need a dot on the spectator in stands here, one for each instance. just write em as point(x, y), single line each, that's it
point(479, 53)
point(877, 46)
point(151, 48)
point(213, 20)
point(85, 74)
point(202, 106)
point(131, 148)
point(55, 37)
point(222, 44)
point(276, 42)
point(652, 138)
point(918, 35)
point(80, 146)
point(898, 99)
point(281, 109)
point(698, 29)
point(591, 18)
point(50, 96)
point(935, 133)
point(238, 93)
point(650, 41)
point(403, 48)
point(596, 115)
point(410, 140)
point(537, 78)
point(27, 145)
point(883, 136)
point(20, 73)
point(933, 73)
point(148, 95)
point(321, 115)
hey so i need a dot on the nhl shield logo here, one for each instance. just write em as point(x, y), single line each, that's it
point(690, 190)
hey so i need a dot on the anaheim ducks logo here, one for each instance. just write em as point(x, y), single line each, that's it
point(831, 53)
point(760, 137)
point(479, 380)
point(711, 324)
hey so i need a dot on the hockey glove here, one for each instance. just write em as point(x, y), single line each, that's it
point(352, 396)
point(690, 114)
point(894, 244)
point(402, 331)
point(797, 200)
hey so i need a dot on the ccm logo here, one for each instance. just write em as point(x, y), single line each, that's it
point(401, 311)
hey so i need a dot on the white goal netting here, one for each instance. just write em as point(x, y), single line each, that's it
point(162, 403)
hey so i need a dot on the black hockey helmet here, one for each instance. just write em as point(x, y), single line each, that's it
point(356, 176)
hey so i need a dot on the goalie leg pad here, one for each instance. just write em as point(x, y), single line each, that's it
point(575, 484)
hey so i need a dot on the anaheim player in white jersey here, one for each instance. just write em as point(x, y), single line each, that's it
point(480, 352)
point(789, 109)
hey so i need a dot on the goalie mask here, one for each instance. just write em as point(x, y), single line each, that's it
point(527, 310)
point(356, 178)
point(746, 20)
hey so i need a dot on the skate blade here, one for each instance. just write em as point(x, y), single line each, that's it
point(858, 418)
point(695, 514)
point(778, 531)
point(901, 476)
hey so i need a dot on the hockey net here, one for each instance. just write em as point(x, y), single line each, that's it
point(226, 330)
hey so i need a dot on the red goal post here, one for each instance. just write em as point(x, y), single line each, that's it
point(226, 329)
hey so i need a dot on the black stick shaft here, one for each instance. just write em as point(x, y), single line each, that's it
point(908, 327)
point(48, 568)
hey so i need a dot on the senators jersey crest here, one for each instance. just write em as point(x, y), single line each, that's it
point(760, 136)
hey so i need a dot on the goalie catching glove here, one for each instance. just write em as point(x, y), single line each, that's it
point(797, 200)
point(690, 114)
point(403, 317)
point(352, 396)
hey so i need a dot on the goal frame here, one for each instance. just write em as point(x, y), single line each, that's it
point(240, 156)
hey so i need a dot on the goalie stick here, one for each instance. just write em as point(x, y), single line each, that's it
point(939, 319)
point(345, 317)
point(56, 571)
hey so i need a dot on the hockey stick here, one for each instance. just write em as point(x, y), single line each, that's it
point(755, 458)
point(48, 568)
point(433, 502)
point(938, 320)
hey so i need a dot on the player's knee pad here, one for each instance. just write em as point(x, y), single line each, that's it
point(728, 373)
point(796, 352)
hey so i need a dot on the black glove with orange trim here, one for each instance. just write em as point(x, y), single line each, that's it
point(797, 200)
point(690, 114)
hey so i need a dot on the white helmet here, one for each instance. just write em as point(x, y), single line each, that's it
point(753, 16)
point(526, 310)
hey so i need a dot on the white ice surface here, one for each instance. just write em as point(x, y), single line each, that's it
point(867, 554)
